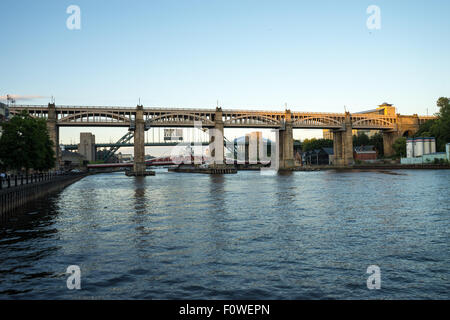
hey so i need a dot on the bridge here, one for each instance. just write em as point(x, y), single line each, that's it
point(140, 119)
point(160, 161)
point(167, 161)
point(129, 144)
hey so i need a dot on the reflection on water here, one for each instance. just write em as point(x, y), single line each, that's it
point(300, 235)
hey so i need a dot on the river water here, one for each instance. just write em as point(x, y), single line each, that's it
point(300, 235)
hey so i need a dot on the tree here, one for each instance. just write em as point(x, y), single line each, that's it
point(25, 143)
point(377, 141)
point(361, 139)
point(311, 144)
point(439, 127)
point(399, 147)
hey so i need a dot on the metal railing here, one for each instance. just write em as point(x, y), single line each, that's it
point(15, 180)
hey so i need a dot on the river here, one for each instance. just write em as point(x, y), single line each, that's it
point(299, 235)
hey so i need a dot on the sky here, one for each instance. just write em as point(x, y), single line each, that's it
point(316, 56)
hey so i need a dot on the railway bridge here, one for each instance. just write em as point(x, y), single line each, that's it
point(140, 119)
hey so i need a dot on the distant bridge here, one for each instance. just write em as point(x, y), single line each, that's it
point(140, 119)
point(169, 161)
point(161, 161)
point(129, 144)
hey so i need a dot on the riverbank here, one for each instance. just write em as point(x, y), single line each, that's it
point(16, 197)
point(376, 167)
point(380, 166)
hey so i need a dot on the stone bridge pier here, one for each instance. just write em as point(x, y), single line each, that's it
point(139, 166)
point(285, 143)
point(389, 138)
point(343, 143)
point(216, 142)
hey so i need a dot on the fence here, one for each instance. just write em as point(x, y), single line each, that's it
point(16, 191)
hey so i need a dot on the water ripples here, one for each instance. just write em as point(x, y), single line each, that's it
point(305, 235)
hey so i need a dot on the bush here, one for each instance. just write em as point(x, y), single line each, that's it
point(400, 147)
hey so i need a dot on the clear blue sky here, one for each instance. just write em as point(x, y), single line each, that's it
point(312, 55)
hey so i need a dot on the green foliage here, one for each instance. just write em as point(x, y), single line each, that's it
point(440, 127)
point(361, 139)
point(377, 141)
point(311, 144)
point(441, 161)
point(25, 143)
point(399, 147)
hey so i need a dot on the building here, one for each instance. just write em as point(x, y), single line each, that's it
point(387, 109)
point(87, 146)
point(322, 156)
point(384, 109)
point(4, 112)
point(4, 115)
point(125, 157)
point(71, 159)
point(447, 151)
point(251, 148)
point(365, 153)
point(328, 133)
point(422, 150)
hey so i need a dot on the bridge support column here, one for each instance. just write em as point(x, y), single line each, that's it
point(139, 143)
point(216, 140)
point(53, 131)
point(286, 143)
point(337, 148)
point(343, 144)
point(388, 141)
point(86, 147)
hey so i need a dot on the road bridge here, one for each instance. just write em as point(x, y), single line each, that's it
point(140, 119)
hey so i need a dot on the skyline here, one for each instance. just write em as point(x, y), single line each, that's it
point(253, 55)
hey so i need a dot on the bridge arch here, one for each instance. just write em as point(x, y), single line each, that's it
point(372, 121)
point(87, 114)
point(173, 118)
point(408, 133)
point(317, 120)
point(258, 117)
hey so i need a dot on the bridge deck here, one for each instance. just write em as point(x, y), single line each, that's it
point(182, 117)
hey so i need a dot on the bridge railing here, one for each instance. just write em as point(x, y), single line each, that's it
point(167, 108)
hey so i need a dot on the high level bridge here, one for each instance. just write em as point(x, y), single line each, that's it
point(140, 119)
